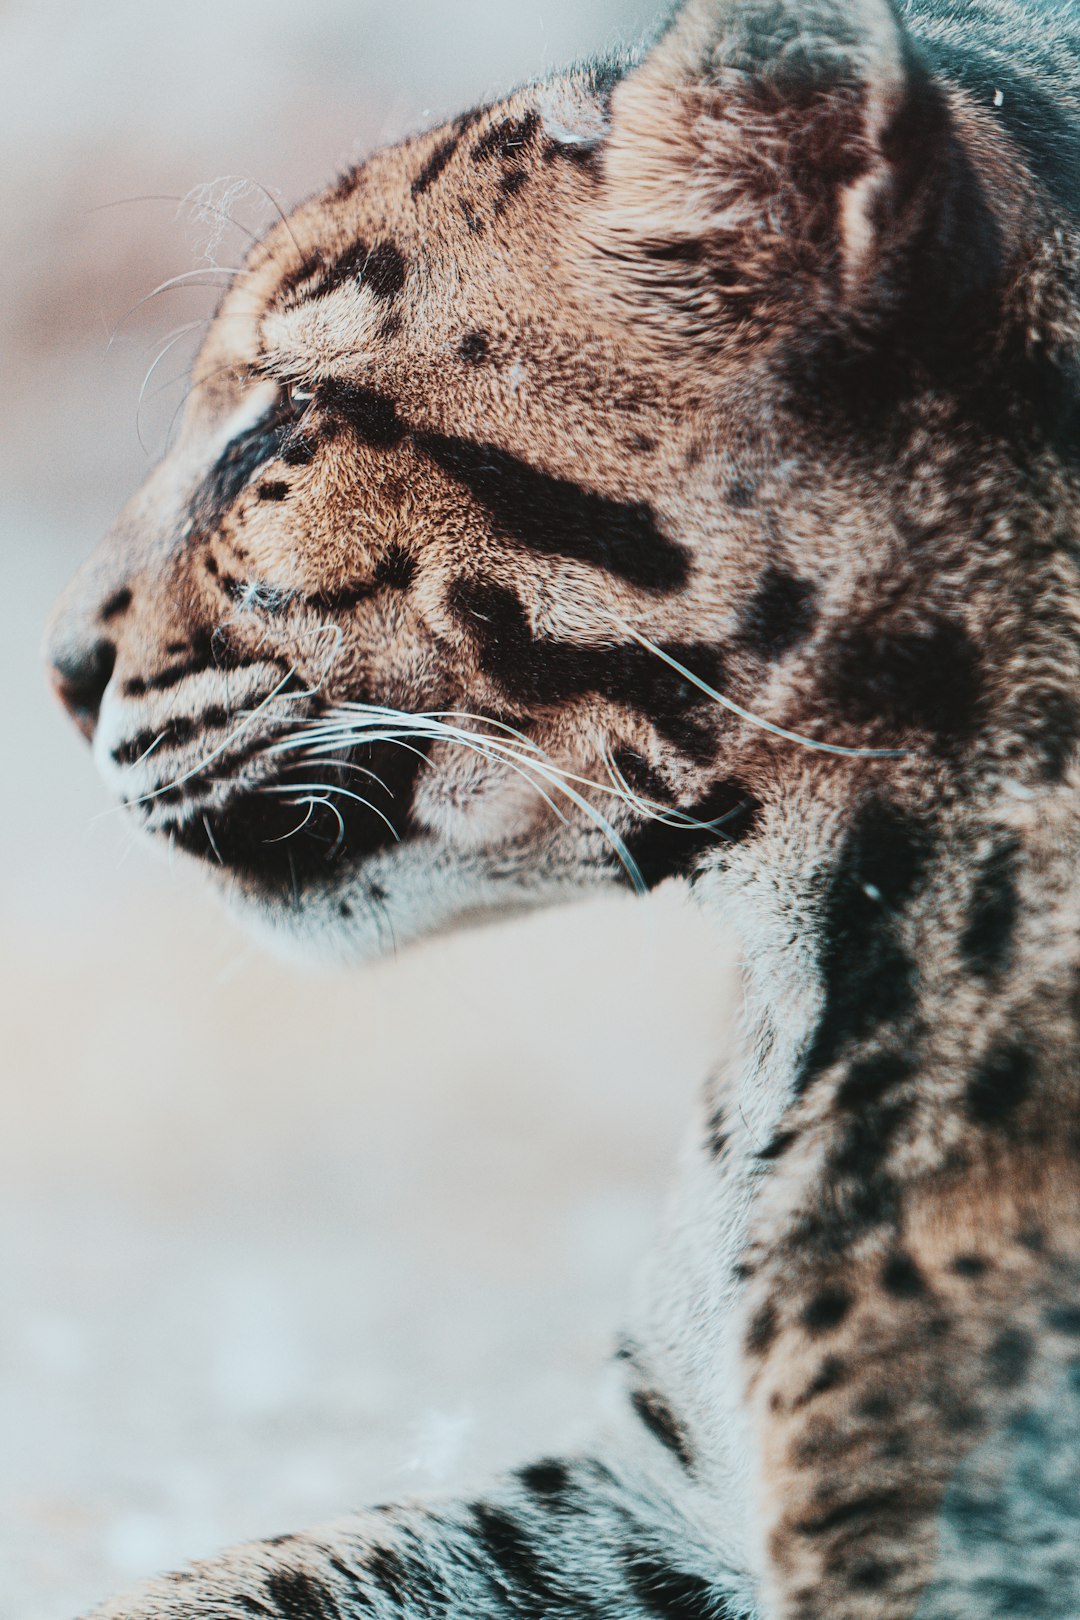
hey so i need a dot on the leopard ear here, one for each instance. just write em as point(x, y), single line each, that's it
point(774, 161)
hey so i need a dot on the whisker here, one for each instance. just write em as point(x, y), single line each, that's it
point(212, 840)
point(323, 787)
point(276, 206)
point(296, 830)
point(173, 284)
point(123, 202)
point(755, 719)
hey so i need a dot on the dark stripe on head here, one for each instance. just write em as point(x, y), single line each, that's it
point(381, 268)
point(234, 469)
point(209, 650)
point(385, 271)
point(507, 139)
point(535, 672)
point(435, 165)
point(371, 416)
point(557, 518)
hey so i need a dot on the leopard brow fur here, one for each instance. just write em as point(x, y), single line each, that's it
point(671, 470)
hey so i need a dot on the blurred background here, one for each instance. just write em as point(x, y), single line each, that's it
point(270, 1245)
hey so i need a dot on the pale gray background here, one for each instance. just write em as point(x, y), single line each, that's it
point(269, 1246)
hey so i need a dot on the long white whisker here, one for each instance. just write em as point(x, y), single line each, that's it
point(324, 787)
point(211, 839)
point(295, 830)
point(755, 719)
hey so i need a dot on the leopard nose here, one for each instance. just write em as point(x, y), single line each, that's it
point(79, 675)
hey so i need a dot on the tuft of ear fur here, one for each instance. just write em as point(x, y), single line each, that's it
point(772, 159)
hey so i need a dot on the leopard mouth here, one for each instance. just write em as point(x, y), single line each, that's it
point(292, 828)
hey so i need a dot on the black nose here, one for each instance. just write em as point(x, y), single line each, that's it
point(79, 678)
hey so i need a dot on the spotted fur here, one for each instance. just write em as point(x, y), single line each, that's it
point(672, 469)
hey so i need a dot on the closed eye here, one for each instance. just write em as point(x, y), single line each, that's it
point(265, 439)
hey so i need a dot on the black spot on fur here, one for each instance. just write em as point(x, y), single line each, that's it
point(923, 680)
point(832, 1373)
point(970, 1266)
point(639, 775)
point(299, 450)
point(761, 1334)
point(548, 1479)
point(385, 271)
point(395, 570)
point(869, 1079)
point(778, 616)
point(717, 1135)
point(511, 184)
point(867, 1508)
point(869, 978)
point(515, 1556)
point(389, 1571)
point(672, 1593)
point(1052, 719)
point(474, 348)
point(778, 1146)
point(1064, 1319)
point(826, 1310)
point(535, 672)
point(662, 1423)
point(1000, 1084)
point(1009, 1358)
point(116, 605)
point(274, 491)
point(987, 940)
point(506, 140)
point(741, 495)
point(299, 1597)
point(371, 416)
point(867, 1141)
point(557, 518)
point(902, 1278)
point(662, 851)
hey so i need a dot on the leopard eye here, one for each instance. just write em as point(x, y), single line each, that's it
point(298, 397)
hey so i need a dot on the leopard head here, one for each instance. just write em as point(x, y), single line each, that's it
point(550, 483)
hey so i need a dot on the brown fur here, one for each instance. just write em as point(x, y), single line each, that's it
point(766, 357)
